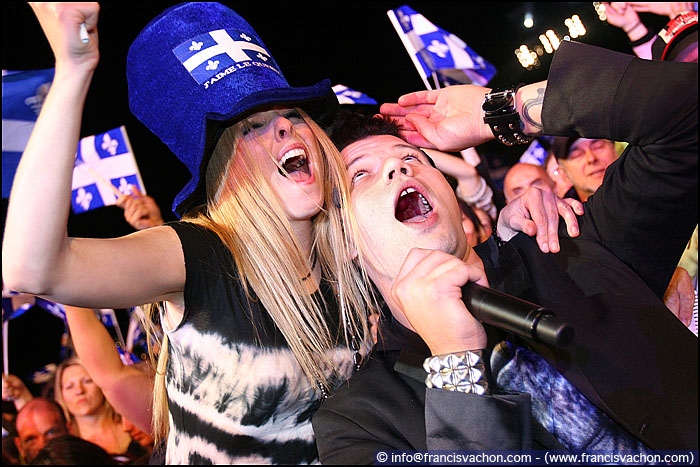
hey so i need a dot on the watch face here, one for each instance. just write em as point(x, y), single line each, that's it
point(497, 102)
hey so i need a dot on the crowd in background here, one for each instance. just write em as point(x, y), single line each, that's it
point(74, 411)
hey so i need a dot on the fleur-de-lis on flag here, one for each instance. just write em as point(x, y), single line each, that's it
point(261, 57)
point(212, 65)
point(110, 145)
point(124, 186)
point(244, 36)
point(84, 198)
point(196, 45)
point(438, 48)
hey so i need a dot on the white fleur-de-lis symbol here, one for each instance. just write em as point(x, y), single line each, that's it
point(212, 65)
point(404, 20)
point(110, 145)
point(124, 186)
point(261, 57)
point(83, 198)
point(438, 48)
point(353, 94)
point(196, 45)
point(244, 36)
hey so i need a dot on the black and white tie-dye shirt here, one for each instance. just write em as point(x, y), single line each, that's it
point(236, 394)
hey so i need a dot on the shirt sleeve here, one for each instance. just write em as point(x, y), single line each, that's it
point(647, 207)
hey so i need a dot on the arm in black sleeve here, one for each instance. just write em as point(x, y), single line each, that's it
point(647, 207)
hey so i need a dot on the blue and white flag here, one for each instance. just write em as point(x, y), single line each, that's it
point(105, 168)
point(23, 94)
point(15, 304)
point(534, 154)
point(220, 52)
point(437, 53)
point(346, 95)
point(109, 319)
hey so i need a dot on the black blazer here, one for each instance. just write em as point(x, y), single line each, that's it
point(631, 357)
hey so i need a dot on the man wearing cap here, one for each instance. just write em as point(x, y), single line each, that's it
point(584, 161)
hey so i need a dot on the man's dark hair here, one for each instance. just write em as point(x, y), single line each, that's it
point(71, 450)
point(349, 127)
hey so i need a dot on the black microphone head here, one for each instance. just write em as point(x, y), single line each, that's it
point(552, 331)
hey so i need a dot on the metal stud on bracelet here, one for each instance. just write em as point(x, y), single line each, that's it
point(462, 372)
point(503, 118)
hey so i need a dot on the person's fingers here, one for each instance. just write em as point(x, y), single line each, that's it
point(567, 209)
point(418, 98)
point(135, 191)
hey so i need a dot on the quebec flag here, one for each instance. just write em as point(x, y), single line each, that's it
point(15, 304)
point(105, 168)
point(437, 53)
point(208, 54)
point(23, 94)
point(346, 95)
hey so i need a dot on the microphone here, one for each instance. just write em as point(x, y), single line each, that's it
point(518, 316)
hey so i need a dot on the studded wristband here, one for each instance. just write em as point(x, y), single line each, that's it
point(462, 372)
point(501, 115)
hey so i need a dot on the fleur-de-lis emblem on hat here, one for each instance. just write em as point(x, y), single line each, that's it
point(196, 45)
point(110, 145)
point(246, 37)
point(83, 198)
point(212, 65)
point(438, 48)
point(261, 57)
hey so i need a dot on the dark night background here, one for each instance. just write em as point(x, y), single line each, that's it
point(351, 43)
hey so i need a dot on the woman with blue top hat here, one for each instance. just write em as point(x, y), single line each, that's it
point(247, 280)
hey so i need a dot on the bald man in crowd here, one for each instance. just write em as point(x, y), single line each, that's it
point(39, 421)
point(522, 176)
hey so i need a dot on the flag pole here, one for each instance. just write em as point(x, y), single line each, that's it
point(412, 52)
point(103, 180)
point(5, 356)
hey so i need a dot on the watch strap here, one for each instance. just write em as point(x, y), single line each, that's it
point(503, 118)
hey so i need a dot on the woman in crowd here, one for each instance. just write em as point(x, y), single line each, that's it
point(253, 335)
point(89, 414)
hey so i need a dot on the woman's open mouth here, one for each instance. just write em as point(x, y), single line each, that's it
point(294, 160)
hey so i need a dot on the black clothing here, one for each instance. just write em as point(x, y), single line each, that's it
point(631, 357)
point(386, 406)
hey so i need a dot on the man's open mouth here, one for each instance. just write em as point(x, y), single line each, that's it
point(295, 160)
point(412, 206)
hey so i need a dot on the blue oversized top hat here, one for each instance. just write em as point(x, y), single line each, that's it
point(196, 69)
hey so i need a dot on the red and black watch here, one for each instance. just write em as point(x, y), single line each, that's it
point(501, 115)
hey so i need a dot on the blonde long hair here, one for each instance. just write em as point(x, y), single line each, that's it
point(247, 215)
point(58, 396)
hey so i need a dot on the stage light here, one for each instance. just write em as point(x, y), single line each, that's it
point(528, 22)
point(547, 45)
point(552, 36)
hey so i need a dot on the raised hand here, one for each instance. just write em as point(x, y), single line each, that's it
point(61, 23)
point(448, 119)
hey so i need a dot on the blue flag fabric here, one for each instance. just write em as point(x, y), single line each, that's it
point(23, 94)
point(438, 52)
point(12, 309)
point(105, 168)
point(346, 95)
point(534, 154)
